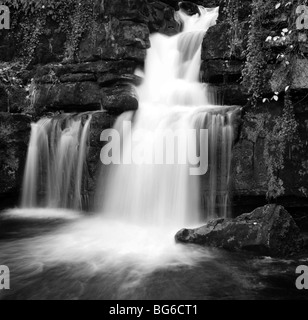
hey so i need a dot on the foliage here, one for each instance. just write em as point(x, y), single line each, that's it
point(254, 72)
point(30, 18)
point(278, 133)
point(283, 132)
point(231, 10)
point(12, 84)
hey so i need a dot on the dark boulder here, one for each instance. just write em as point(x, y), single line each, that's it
point(268, 230)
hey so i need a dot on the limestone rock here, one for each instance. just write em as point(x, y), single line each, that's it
point(268, 230)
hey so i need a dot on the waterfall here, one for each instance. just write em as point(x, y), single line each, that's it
point(166, 167)
point(172, 99)
point(56, 161)
point(175, 151)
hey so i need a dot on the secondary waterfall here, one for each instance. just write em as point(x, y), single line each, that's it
point(172, 99)
point(55, 165)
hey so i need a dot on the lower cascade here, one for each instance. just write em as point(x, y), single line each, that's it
point(191, 182)
point(56, 163)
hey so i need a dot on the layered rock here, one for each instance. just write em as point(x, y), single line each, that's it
point(223, 56)
point(268, 230)
point(14, 138)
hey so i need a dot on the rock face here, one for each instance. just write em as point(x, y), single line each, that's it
point(268, 230)
point(14, 137)
point(100, 121)
point(224, 58)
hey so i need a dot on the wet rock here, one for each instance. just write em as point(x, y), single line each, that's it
point(111, 79)
point(190, 8)
point(250, 164)
point(230, 94)
point(85, 96)
point(223, 63)
point(171, 3)
point(77, 77)
point(268, 230)
point(221, 71)
point(116, 40)
point(79, 96)
point(52, 72)
point(299, 69)
point(216, 43)
point(3, 99)
point(161, 18)
point(51, 45)
point(124, 9)
point(119, 99)
point(101, 121)
point(14, 137)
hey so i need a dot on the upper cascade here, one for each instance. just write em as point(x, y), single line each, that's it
point(172, 66)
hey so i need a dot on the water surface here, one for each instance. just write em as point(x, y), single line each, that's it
point(54, 254)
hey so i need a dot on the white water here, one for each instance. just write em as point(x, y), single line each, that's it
point(141, 206)
point(172, 98)
point(55, 163)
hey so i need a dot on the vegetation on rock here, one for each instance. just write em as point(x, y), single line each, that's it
point(273, 43)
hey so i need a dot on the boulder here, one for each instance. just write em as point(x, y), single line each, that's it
point(268, 230)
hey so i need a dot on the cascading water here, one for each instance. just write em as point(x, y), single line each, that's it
point(128, 251)
point(56, 163)
point(142, 204)
point(172, 98)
